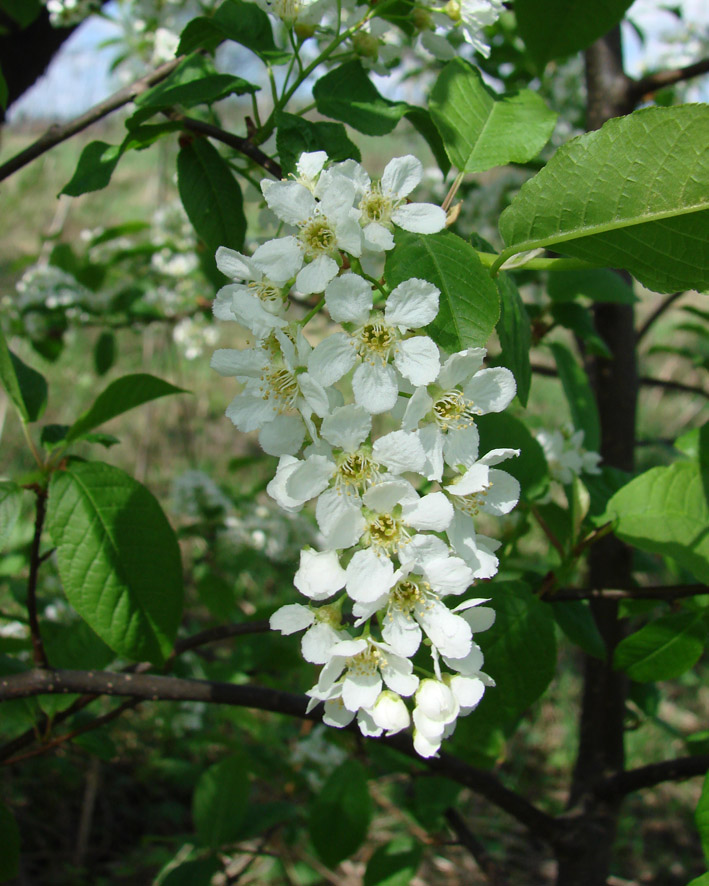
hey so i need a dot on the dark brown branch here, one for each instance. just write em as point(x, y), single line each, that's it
point(468, 839)
point(38, 654)
point(149, 687)
point(656, 314)
point(670, 592)
point(243, 145)
point(649, 776)
point(644, 87)
point(61, 132)
point(644, 380)
point(222, 632)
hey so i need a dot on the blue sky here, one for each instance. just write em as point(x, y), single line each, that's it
point(79, 76)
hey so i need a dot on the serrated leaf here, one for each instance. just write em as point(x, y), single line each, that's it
point(515, 333)
point(394, 864)
point(340, 814)
point(665, 511)
point(235, 20)
point(120, 396)
point(469, 305)
point(557, 28)
point(423, 123)
point(480, 129)
point(347, 94)
point(10, 502)
point(25, 386)
point(220, 801)
point(663, 649)
point(598, 284)
point(633, 195)
point(118, 558)
point(211, 196)
point(503, 431)
point(582, 403)
point(10, 842)
point(296, 135)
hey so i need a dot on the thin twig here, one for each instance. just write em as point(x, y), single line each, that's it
point(549, 371)
point(650, 776)
point(222, 632)
point(652, 82)
point(243, 145)
point(468, 839)
point(548, 532)
point(670, 592)
point(656, 314)
point(38, 654)
point(59, 133)
point(149, 687)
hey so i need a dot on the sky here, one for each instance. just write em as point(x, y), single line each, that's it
point(80, 76)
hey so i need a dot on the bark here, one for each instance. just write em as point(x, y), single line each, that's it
point(585, 858)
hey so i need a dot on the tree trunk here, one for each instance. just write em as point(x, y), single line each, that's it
point(585, 859)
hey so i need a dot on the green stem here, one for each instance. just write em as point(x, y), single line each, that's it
point(309, 316)
point(33, 449)
point(495, 262)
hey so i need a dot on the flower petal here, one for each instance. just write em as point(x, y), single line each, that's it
point(349, 299)
point(491, 390)
point(368, 576)
point(433, 511)
point(319, 575)
point(332, 358)
point(291, 618)
point(374, 387)
point(412, 304)
point(420, 218)
point(347, 427)
point(400, 451)
point(401, 175)
point(417, 359)
point(280, 259)
point(235, 265)
point(282, 436)
point(291, 201)
point(315, 276)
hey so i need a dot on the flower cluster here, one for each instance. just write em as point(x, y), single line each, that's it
point(376, 427)
point(565, 455)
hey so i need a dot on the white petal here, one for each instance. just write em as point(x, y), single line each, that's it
point(398, 676)
point(470, 665)
point(340, 521)
point(384, 496)
point(317, 643)
point(491, 390)
point(374, 387)
point(291, 201)
point(366, 724)
point(414, 303)
point(402, 633)
point(475, 479)
point(468, 691)
point(503, 494)
point(377, 238)
point(432, 441)
point(319, 575)
point(235, 265)
point(249, 412)
point(416, 408)
point(310, 478)
point(495, 456)
point(436, 702)
point(401, 175)
point(314, 393)
point(349, 237)
point(349, 299)
point(422, 548)
point(448, 575)
point(247, 363)
point(400, 451)
point(248, 310)
point(315, 276)
point(480, 619)
point(420, 218)
point(417, 359)
point(336, 194)
point(433, 511)
point(347, 427)
point(282, 436)
point(390, 713)
point(332, 358)
point(279, 259)
point(424, 746)
point(461, 447)
point(291, 618)
point(336, 714)
point(368, 576)
point(360, 689)
point(449, 633)
point(277, 487)
point(460, 367)
point(310, 164)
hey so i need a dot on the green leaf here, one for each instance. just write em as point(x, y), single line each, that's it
point(220, 801)
point(598, 284)
point(194, 81)
point(582, 403)
point(198, 872)
point(578, 319)
point(118, 558)
point(10, 842)
point(469, 303)
point(503, 431)
point(423, 123)
point(347, 94)
point(480, 129)
point(10, 502)
point(700, 881)
point(663, 649)
point(515, 333)
point(104, 352)
point(24, 12)
point(3, 91)
point(665, 511)
point(296, 135)
point(576, 621)
point(94, 169)
point(75, 646)
point(235, 20)
point(340, 813)
point(120, 396)
point(25, 386)
point(557, 28)
point(211, 195)
point(432, 796)
point(634, 195)
point(394, 864)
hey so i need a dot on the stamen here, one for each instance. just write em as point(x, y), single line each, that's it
point(376, 339)
point(317, 236)
point(453, 412)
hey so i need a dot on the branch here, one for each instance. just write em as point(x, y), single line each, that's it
point(59, 133)
point(243, 145)
point(38, 654)
point(149, 687)
point(649, 776)
point(645, 380)
point(647, 85)
point(656, 314)
point(468, 839)
point(669, 592)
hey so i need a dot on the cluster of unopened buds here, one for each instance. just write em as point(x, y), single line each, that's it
point(376, 426)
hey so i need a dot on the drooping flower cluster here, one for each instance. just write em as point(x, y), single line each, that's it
point(565, 454)
point(376, 427)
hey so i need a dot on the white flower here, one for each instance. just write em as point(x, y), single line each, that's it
point(258, 304)
point(383, 204)
point(448, 407)
point(436, 711)
point(296, 12)
point(390, 713)
point(482, 488)
point(278, 397)
point(476, 15)
point(376, 340)
point(322, 632)
point(328, 223)
point(319, 575)
point(565, 454)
